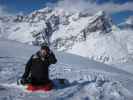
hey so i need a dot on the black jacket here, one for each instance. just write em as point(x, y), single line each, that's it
point(37, 67)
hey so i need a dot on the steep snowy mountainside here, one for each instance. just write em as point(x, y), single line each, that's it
point(79, 27)
point(93, 36)
point(5, 24)
point(128, 24)
point(46, 21)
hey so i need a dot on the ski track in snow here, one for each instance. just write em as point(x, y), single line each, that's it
point(89, 80)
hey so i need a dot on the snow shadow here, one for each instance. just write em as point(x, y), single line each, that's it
point(64, 83)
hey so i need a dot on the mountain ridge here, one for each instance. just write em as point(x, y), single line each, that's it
point(94, 36)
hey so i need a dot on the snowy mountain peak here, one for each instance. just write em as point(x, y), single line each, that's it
point(100, 22)
point(74, 32)
point(128, 24)
point(130, 20)
point(100, 13)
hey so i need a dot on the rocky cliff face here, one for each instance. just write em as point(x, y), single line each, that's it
point(93, 36)
point(41, 24)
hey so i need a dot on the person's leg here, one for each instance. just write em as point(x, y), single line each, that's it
point(41, 81)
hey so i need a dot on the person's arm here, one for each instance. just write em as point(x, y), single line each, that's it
point(27, 68)
point(52, 58)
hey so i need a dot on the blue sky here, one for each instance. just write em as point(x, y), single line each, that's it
point(27, 6)
point(119, 17)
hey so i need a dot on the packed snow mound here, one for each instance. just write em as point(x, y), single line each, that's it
point(88, 80)
point(92, 36)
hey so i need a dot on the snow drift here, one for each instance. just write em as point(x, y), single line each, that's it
point(88, 79)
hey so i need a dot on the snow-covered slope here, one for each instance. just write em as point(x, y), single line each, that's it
point(88, 79)
point(92, 36)
point(128, 24)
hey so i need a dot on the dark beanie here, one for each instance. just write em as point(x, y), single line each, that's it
point(45, 46)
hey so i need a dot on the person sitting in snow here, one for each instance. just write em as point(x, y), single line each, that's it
point(37, 68)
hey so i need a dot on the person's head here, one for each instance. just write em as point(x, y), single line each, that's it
point(44, 50)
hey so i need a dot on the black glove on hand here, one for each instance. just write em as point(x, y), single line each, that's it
point(21, 81)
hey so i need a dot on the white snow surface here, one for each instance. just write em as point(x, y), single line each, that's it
point(88, 79)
